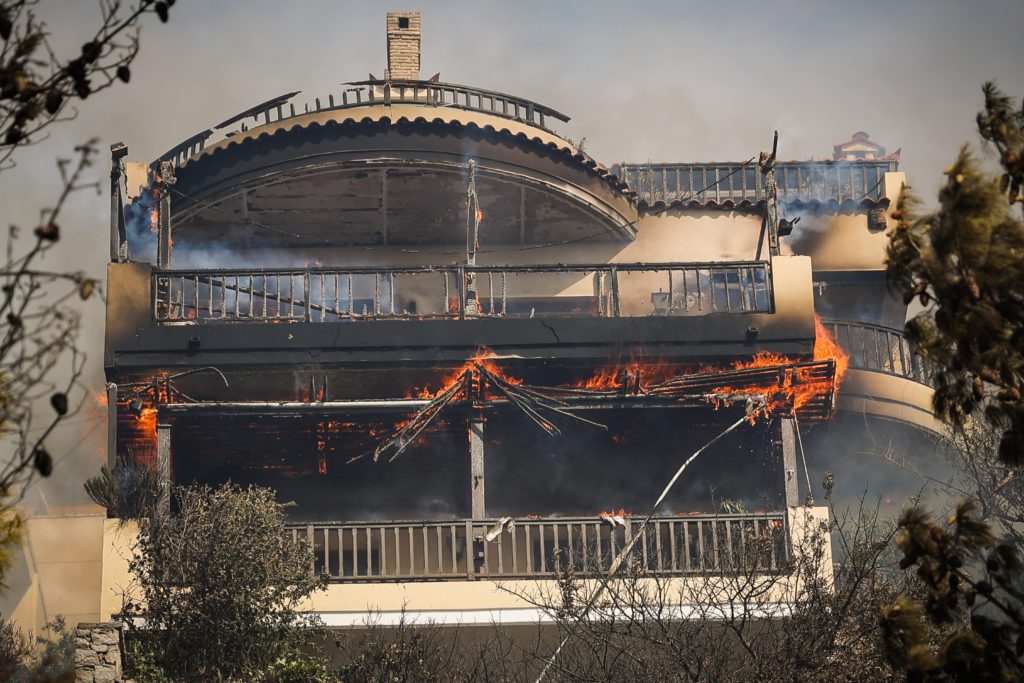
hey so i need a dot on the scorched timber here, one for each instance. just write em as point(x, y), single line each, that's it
point(292, 408)
point(688, 391)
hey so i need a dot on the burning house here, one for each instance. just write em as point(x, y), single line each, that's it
point(467, 351)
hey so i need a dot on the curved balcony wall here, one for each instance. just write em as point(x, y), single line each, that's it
point(886, 377)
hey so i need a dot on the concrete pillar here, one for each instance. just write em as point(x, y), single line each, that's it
point(164, 238)
point(118, 237)
point(111, 425)
point(476, 468)
point(787, 426)
point(163, 462)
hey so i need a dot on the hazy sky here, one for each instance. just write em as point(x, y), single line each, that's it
point(642, 81)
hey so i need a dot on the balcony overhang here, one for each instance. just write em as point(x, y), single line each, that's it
point(778, 319)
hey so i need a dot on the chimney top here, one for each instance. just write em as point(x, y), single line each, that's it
point(403, 46)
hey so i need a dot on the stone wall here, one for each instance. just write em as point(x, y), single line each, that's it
point(99, 652)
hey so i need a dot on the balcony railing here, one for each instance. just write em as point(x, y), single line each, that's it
point(880, 349)
point(532, 548)
point(369, 93)
point(331, 295)
point(733, 182)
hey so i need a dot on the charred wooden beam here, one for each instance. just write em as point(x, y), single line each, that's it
point(164, 238)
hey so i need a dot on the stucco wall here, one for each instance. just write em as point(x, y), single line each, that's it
point(57, 571)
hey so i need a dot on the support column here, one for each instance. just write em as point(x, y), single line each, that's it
point(384, 206)
point(164, 238)
point(476, 468)
point(771, 194)
point(471, 302)
point(787, 426)
point(111, 425)
point(118, 237)
point(163, 463)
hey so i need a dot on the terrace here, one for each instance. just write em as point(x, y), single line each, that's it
point(460, 292)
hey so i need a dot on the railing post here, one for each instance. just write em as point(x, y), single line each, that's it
point(614, 273)
point(462, 292)
point(306, 296)
point(159, 306)
point(470, 551)
point(312, 549)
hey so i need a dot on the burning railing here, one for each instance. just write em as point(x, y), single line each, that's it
point(880, 349)
point(588, 290)
point(671, 545)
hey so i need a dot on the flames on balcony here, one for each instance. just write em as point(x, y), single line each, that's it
point(768, 384)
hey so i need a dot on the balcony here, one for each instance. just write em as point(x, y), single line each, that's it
point(404, 581)
point(886, 378)
point(460, 292)
point(430, 315)
point(879, 349)
point(535, 548)
point(800, 182)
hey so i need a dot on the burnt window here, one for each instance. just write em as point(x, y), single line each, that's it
point(403, 22)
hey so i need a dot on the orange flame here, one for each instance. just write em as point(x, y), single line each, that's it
point(792, 390)
point(638, 374)
point(825, 347)
point(484, 358)
point(801, 387)
point(147, 423)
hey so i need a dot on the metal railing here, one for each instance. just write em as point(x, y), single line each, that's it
point(591, 290)
point(459, 549)
point(369, 93)
point(880, 349)
point(804, 181)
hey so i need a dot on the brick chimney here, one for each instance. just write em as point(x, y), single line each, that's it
point(403, 46)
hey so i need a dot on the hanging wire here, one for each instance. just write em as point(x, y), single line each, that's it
point(628, 548)
point(803, 458)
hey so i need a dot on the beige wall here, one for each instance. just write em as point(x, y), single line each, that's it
point(58, 571)
point(844, 241)
point(890, 396)
point(118, 538)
